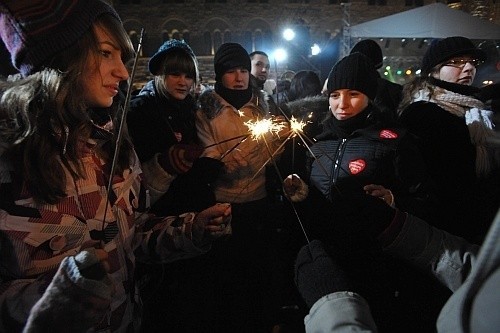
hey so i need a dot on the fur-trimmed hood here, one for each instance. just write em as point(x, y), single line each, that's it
point(211, 103)
point(302, 108)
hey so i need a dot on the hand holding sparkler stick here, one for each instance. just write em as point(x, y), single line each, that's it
point(258, 130)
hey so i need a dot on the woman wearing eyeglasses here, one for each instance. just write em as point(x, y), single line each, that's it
point(455, 131)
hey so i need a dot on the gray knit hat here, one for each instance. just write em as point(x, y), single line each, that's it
point(355, 71)
point(33, 31)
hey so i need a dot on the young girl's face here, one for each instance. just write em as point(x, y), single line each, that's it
point(461, 70)
point(178, 85)
point(103, 72)
point(346, 103)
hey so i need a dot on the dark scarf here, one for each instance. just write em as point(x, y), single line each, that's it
point(461, 89)
point(236, 98)
point(344, 128)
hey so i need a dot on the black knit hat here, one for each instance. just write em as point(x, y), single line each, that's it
point(230, 55)
point(33, 31)
point(355, 71)
point(159, 56)
point(371, 49)
point(444, 49)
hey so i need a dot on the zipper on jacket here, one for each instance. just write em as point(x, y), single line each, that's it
point(336, 165)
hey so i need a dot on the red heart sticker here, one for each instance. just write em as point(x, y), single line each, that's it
point(388, 134)
point(357, 166)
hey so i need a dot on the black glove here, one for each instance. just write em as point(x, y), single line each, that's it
point(317, 274)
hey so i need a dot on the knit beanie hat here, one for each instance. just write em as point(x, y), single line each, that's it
point(444, 49)
point(33, 31)
point(355, 71)
point(371, 49)
point(159, 56)
point(230, 55)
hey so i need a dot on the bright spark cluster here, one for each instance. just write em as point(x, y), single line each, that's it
point(297, 126)
point(258, 128)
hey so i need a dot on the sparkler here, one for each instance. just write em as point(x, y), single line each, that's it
point(259, 129)
point(119, 137)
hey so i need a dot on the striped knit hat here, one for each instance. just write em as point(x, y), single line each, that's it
point(35, 30)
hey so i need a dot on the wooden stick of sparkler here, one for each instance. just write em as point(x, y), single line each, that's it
point(233, 147)
point(119, 137)
point(227, 140)
point(271, 156)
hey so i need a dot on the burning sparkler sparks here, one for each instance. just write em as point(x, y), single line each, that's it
point(258, 128)
point(297, 126)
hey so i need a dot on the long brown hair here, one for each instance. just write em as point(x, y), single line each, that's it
point(60, 118)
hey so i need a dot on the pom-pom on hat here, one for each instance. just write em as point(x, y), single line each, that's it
point(33, 31)
point(165, 48)
point(447, 48)
point(356, 72)
point(371, 49)
point(230, 55)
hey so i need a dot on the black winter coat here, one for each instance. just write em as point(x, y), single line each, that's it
point(379, 153)
point(467, 205)
point(156, 123)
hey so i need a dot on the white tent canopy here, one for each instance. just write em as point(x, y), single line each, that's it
point(432, 21)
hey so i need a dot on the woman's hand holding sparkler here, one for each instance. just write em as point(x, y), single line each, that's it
point(294, 188)
point(380, 192)
point(215, 220)
point(78, 296)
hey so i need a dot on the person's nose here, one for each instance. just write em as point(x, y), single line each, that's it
point(239, 76)
point(469, 67)
point(121, 71)
point(182, 80)
point(343, 101)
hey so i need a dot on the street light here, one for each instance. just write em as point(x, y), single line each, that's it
point(288, 34)
point(315, 49)
point(280, 55)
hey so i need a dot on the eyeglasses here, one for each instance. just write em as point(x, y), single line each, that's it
point(460, 63)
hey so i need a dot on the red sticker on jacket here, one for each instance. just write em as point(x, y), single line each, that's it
point(357, 166)
point(388, 134)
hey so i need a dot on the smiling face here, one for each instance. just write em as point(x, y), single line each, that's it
point(103, 71)
point(461, 70)
point(236, 78)
point(346, 103)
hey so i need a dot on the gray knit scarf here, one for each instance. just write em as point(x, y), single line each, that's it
point(478, 121)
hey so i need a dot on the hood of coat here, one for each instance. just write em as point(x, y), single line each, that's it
point(211, 103)
point(303, 107)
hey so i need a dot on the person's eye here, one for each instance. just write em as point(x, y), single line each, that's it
point(105, 53)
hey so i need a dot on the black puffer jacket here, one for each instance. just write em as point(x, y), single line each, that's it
point(155, 123)
point(378, 153)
